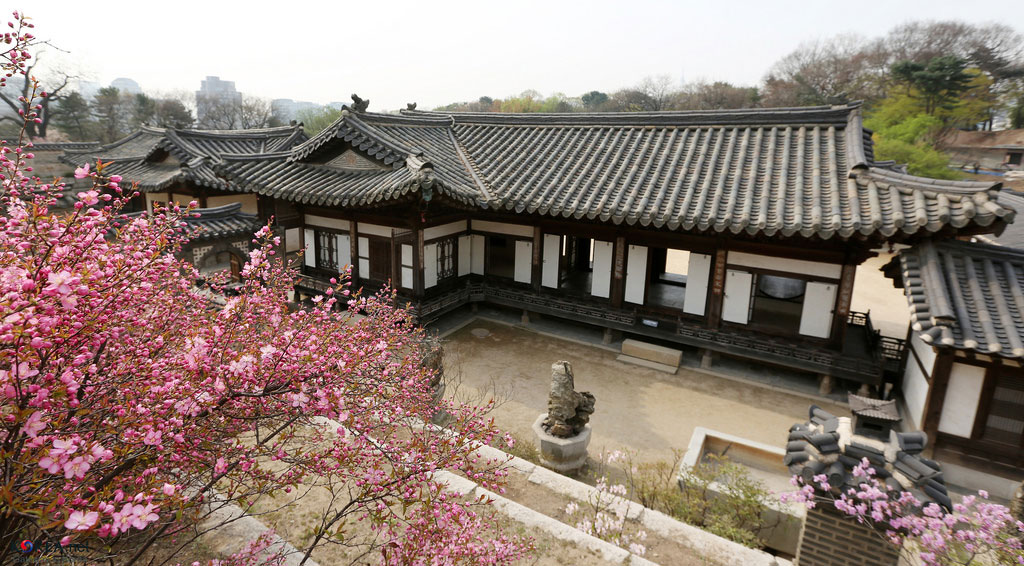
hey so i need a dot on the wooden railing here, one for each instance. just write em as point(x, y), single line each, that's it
point(868, 367)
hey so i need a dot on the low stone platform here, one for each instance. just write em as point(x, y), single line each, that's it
point(647, 364)
point(652, 352)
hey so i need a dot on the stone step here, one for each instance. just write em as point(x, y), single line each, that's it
point(652, 352)
point(647, 364)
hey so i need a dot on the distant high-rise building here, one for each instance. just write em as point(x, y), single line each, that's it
point(124, 84)
point(218, 104)
point(88, 89)
point(286, 109)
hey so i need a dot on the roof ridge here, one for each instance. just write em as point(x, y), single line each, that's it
point(938, 185)
point(788, 115)
point(351, 121)
point(472, 169)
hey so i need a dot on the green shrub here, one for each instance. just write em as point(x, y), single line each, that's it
point(735, 509)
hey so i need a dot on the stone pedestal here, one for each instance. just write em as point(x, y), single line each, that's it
point(825, 384)
point(561, 454)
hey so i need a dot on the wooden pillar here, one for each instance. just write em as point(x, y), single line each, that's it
point(937, 394)
point(537, 267)
point(417, 264)
point(396, 265)
point(714, 317)
point(353, 244)
point(619, 272)
point(842, 310)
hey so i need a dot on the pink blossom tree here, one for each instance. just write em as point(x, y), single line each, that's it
point(974, 531)
point(130, 409)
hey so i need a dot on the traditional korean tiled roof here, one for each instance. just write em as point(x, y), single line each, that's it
point(156, 158)
point(1013, 235)
point(966, 295)
point(827, 445)
point(222, 222)
point(216, 223)
point(796, 171)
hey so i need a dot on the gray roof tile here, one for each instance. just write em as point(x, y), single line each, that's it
point(802, 171)
point(966, 295)
point(196, 152)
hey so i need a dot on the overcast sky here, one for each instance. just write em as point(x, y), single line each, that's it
point(439, 52)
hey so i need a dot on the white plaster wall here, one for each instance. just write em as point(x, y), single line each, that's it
point(924, 351)
point(150, 197)
point(503, 228)
point(374, 230)
point(291, 240)
point(915, 382)
point(324, 222)
point(961, 404)
point(444, 230)
point(830, 270)
point(248, 201)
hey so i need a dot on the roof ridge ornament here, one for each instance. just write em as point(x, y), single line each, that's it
point(358, 104)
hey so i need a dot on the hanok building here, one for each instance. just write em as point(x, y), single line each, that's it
point(177, 165)
point(738, 232)
point(964, 383)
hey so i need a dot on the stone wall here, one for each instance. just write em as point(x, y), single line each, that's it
point(830, 538)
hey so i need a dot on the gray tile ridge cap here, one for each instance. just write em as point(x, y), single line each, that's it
point(835, 115)
point(97, 150)
point(264, 156)
point(354, 121)
point(976, 250)
point(927, 183)
point(270, 131)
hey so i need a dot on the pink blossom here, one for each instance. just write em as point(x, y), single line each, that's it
point(82, 172)
point(34, 425)
point(76, 468)
point(89, 197)
point(81, 520)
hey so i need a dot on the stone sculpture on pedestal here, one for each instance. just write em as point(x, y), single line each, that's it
point(564, 432)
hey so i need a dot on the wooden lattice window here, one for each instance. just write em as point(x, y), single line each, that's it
point(447, 257)
point(1004, 423)
point(326, 250)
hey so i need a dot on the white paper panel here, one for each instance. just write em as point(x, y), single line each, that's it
point(477, 255)
point(465, 255)
point(524, 261)
point(636, 274)
point(549, 268)
point(429, 265)
point(736, 307)
point(310, 258)
point(698, 275)
point(344, 244)
point(819, 307)
point(601, 278)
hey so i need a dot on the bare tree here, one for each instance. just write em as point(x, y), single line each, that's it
point(717, 96)
point(234, 112)
point(659, 91)
point(832, 71)
point(16, 94)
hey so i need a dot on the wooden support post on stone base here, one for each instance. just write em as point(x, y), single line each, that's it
point(825, 384)
point(526, 317)
point(707, 358)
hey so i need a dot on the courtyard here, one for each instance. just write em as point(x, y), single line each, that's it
point(638, 409)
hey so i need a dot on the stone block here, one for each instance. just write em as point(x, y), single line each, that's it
point(652, 352)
